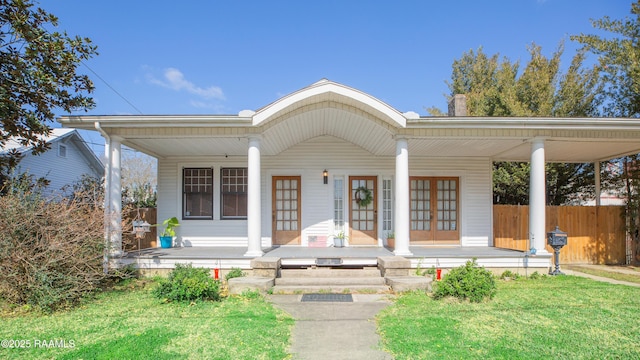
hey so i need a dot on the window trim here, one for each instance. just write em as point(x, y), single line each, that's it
point(184, 202)
point(222, 192)
point(62, 150)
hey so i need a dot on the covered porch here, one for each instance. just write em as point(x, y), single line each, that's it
point(424, 257)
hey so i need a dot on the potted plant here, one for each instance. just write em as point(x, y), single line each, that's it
point(339, 239)
point(166, 237)
point(391, 240)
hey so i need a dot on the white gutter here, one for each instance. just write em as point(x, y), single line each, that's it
point(107, 196)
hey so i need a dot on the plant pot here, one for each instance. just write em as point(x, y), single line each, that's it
point(337, 242)
point(391, 243)
point(166, 241)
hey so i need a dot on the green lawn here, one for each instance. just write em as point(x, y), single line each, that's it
point(134, 324)
point(562, 317)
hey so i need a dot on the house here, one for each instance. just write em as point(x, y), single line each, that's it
point(330, 158)
point(67, 160)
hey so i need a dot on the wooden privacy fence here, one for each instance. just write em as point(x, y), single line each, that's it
point(129, 241)
point(596, 234)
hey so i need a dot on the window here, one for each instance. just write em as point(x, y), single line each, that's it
point(234, 193)
point(62, 150)
point(387, 206)
point(338, 204)
point(197, 193)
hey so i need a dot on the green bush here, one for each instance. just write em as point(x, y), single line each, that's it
point(536, 276)
point(234, 273)
point(466, 282)
point(186, 283)
point(508, 274)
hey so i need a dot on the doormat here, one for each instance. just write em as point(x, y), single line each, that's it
point(327, 298)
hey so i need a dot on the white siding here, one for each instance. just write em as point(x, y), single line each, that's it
point(60, 171)
point(308, 160)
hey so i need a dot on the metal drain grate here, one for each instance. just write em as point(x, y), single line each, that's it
point(327, 298)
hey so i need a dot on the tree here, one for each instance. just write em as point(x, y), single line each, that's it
point(495, 87)
point(139, 180)
point(38, 74)
point(619, 61)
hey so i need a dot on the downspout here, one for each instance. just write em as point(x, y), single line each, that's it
point(107, 196)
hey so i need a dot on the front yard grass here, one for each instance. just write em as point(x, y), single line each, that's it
point(132, 323)
point(562, 317)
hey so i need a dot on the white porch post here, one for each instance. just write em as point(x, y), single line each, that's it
point(596, 171)
point(537, 197)
point(115, 196)
point(254, 207)
point(402, 198)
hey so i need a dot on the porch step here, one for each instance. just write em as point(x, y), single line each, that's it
point(324, 280)
point(329, 273)
point(319, 281)
point(331, 289)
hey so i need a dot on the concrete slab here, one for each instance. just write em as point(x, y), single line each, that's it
point(334, 330)
point(409, 283)
point(251, 283)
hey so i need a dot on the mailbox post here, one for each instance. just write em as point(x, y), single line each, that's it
point(557, 239)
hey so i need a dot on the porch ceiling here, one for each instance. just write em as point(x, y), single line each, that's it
point(556, 150)
point(380, 142)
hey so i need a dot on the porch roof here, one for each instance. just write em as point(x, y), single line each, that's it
point(330, 109)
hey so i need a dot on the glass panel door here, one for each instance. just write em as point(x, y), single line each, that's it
point(363, 216)
point(434, 211)
point(286, 210)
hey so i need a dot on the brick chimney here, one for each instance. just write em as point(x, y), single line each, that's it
point(458, 105)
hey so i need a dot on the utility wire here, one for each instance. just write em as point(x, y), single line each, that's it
point(103, 80)
point(111, 87)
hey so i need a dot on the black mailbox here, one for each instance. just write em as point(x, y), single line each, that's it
point(557, 238)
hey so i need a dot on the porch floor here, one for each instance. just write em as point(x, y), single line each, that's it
point(423, 256)
point(292, 252)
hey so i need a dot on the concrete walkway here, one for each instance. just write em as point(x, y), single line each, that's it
point(577, 272)
point(335, 330)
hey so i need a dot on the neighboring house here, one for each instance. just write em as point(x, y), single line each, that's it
point(63, 164)
point(330, 158)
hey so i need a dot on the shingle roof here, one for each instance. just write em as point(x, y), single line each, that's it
point(53, 136)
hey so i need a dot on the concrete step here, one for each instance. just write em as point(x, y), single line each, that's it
point(330, 273)
point(330, 281)
point(333, 289)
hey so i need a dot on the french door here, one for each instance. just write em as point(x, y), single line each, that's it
point(363, 210)
point(434, 210)
point(286, 210)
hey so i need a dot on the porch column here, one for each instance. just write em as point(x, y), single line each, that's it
point(537, 197)
point(254, 207)
point(115, 196)
point(596, 172)
point(402, 198)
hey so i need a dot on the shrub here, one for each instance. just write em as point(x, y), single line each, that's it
point(467, 282)
point(535, 276)
point(186, 283)
point(51, 252)
point(234, 273)
point(508, 274)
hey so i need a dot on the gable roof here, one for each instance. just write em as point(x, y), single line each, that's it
point(326, 108)
point(55, 136)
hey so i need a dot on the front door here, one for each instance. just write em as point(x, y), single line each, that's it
point(434, 211)
point(363, 213)
point(286, 210)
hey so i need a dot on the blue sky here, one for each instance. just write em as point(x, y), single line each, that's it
point(220, 57)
